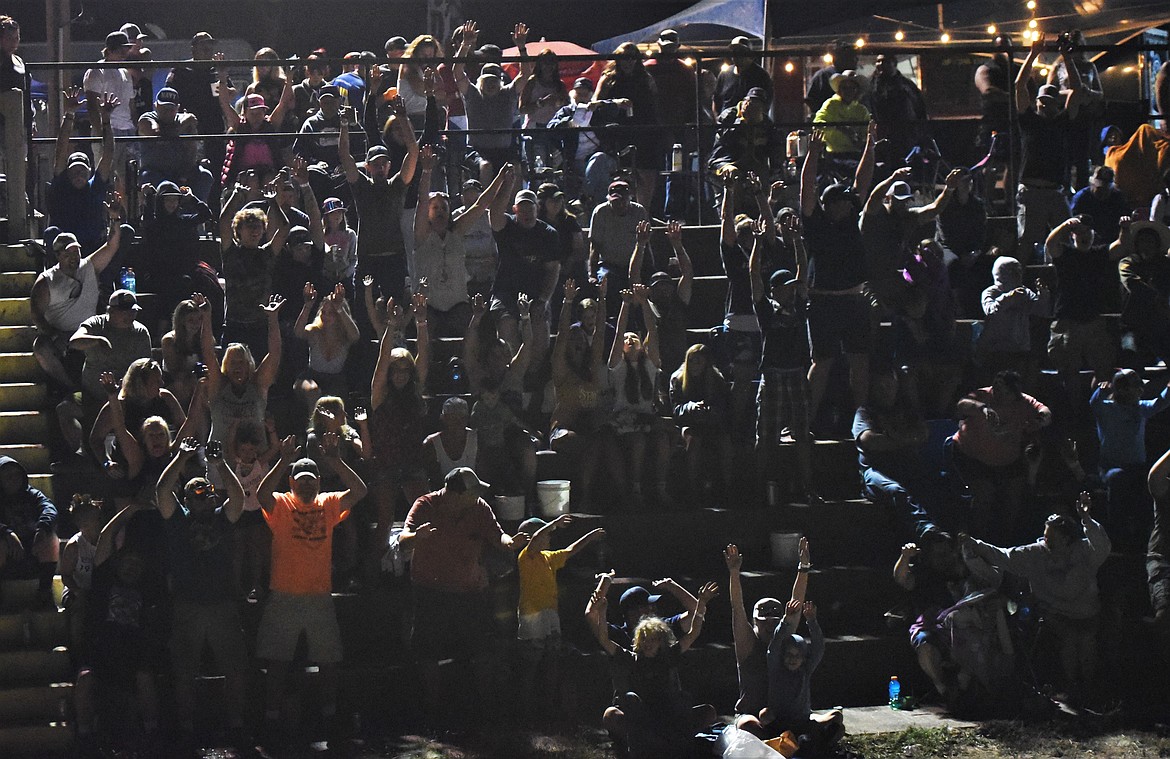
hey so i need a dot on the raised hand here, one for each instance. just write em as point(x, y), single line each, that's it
point(792, 610)
point(470, 34)
point(73, 98)
point(674, 231)
point(107, 104)
point(627, 295)
point(479, 305)
point(114, 206)
point(272, 307)
point(418, 306)
point(524, 306)
point(643, 232)
point(425, 531)
point(200, 301)
point(109, 382)
point(520, 35)
point(707, 592)
point(641, 293)
point(289, 448)
point(1085, 505)
point(732, 558)
point(309, 293)
point(902, 173)
point(188, 445)
point(331, 445)
point(953, 178)
point(570, 290)
point(810, 611)
point(428, 78)
point(910, 550)
point(300, 169)
point(816, 142)
point(427, 160)
point(805, 556)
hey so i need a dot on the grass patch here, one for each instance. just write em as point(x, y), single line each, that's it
point(914, 742)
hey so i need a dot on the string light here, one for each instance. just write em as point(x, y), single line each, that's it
point(1031, 5)
point(725, 67)
point(689, 62)
point(991, 29)
point(1044, 72)
point(944, 37)
point(899, 36)
point(1032, 24)
point(859, 42)
point(827, 58)
point(789, 67)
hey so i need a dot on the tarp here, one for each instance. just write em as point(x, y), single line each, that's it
point(569, 70)
point(707, 20)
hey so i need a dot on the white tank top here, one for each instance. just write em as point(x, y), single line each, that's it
point(443, 262)
point(446, 463)
point(83, 566)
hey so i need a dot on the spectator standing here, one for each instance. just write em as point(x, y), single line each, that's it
point(1044, 129)
point(1084, 144)
point(1102, 204)
point(1009, 305)
point(1145, 286)
point(198, 84)
point(79, 190)
point(613, 234)
point(734, 82)
point(302, 521)
point(701, 401)
point(167, 157)
point(898, 108)
point(113, 82)
point(844, 108)
point(677, 92)
point(17, 113)
point(451, 530)
point(844, 58)
point(626, 78)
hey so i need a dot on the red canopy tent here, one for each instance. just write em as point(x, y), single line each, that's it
point(570, 70)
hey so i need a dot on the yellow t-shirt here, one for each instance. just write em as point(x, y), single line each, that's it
point(538, 579)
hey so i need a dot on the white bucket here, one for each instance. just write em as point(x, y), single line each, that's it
point(785, 549)
point(554, 498)
point(508, 508)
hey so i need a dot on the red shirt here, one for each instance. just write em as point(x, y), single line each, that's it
point(1001, 443)
point(450, 559)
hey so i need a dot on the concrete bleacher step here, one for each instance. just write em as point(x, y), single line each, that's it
point(23, 427)
point(17, 338)
point(35, 457)
point(29, 667)
point(19, 367)
point(18, 258)
point(47, 629)
point(47, 740)
point(17, 284)
point(16, 311)
point(35, 704)
point(22, 396)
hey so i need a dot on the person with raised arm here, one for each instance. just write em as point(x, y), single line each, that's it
point(300, 602)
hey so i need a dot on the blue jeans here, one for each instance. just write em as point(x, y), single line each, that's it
point(886, 491)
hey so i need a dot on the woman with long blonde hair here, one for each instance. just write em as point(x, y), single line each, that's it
point(420, 54)
point(701, 402)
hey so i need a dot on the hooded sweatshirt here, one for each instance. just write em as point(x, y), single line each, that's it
point(789, 692)
point(1006, 327)
point(26, 511)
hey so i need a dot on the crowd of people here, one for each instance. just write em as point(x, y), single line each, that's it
point(251, 432)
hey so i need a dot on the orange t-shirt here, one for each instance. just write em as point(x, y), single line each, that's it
point(302, 542)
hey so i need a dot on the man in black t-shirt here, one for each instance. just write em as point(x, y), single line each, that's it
point(783, 396)
point(529, 262)
point(1086, 270)
point(1044, 126)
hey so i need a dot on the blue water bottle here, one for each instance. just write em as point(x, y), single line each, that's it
point(128, 279)
point(895, 693)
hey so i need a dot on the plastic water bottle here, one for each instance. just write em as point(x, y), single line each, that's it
point(128, 279)
point(676, 158)
point(895, 693)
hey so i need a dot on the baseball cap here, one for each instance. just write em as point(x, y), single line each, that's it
point(65, 240)
point(740, 43)
point(124, 299)
point(781, 277)
point(768, 607)
point(463, 479)
point(298, 235)
point(756, 93)
point(133, 32)
point(1048, 91)
point(376, 152)
point(900, 191)
point(256, 101)
point(329, 90)
point(1103, 176)
point(472, 184)
point(531, 525)
point(668, 37)
point(167, 187)
point(637, 596)
point(583, 81)
point(491, 69)
point(618, 189)
point(78, 159)
point(660, 276)
point(396, 43)
point(167, 95)
point(454, 405)
point(524, 196)
point(332, 204)
point(305, 466)
point(549, 190)
point(117, 39)
point(202, 37)
point(836, 191)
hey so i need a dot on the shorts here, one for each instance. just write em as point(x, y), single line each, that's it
point(539, 628)
point(782, 401)
point(286, 616)
point(839, 324)
point(217, 625)
point(451, 625)
point(1073, 344)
